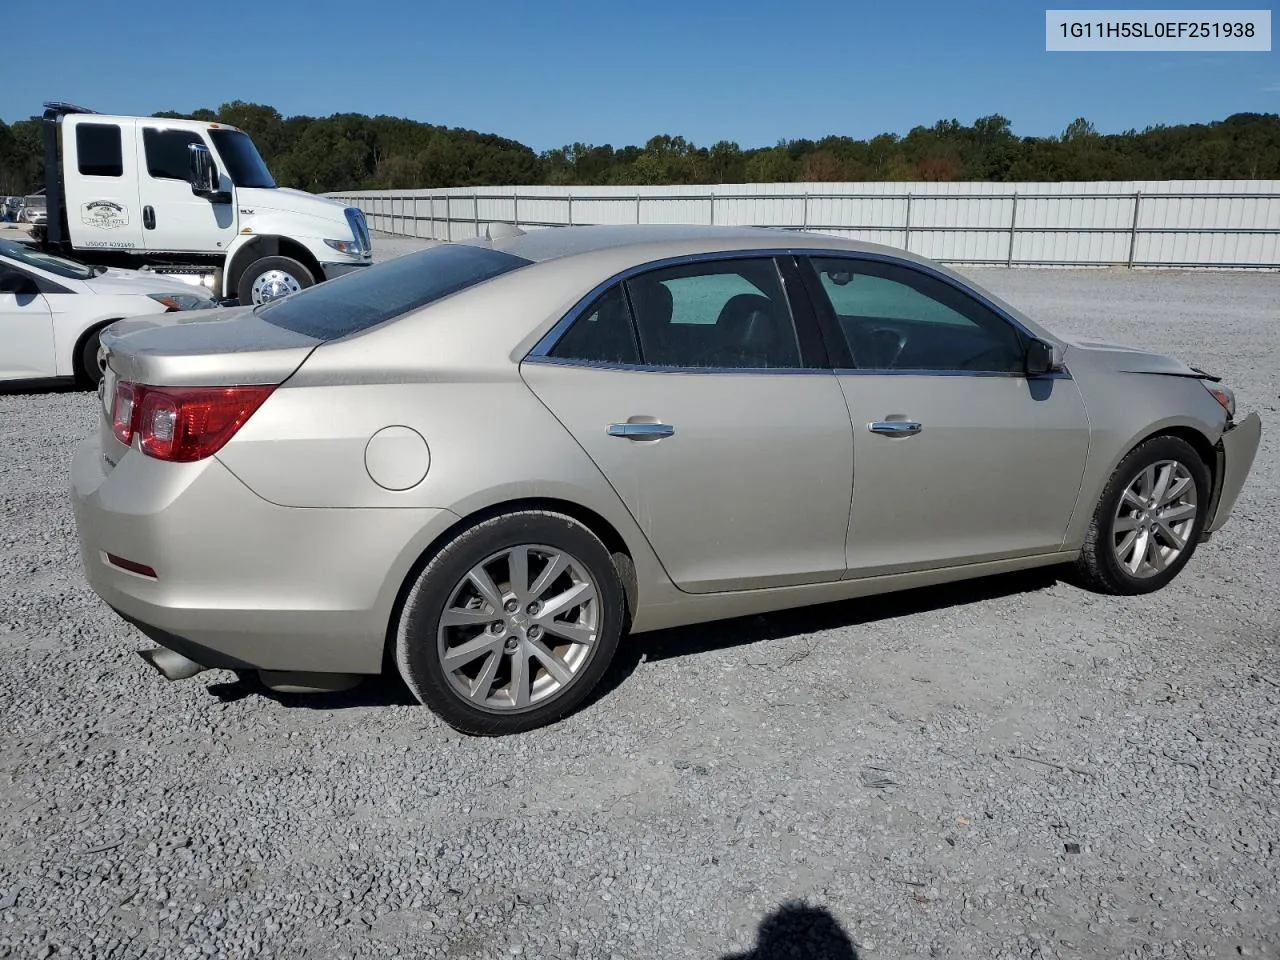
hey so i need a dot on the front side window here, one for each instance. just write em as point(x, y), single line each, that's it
point(894, 317)
point(44, 261)
point(98, 150)
point(721, 313)
point(167, 155)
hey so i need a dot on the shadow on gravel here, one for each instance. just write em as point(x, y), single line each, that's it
point(796, 931)
point(721, 634)
point(388, 690)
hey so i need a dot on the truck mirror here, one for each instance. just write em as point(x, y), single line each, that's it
point(203, 171)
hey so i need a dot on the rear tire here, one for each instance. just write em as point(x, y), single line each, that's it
point(1149, 498)
point(537, 610)
point(271, 278)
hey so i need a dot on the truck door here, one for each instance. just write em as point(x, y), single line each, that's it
point(100, 175)
point(174, 218)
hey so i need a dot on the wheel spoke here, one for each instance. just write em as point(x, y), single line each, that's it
point(1147, 481)
point(1132, 500)
point(519, 686)
point(1125, 524)
point(518, 562)
point(554, 568)
point(1175, 490)
point(461, 617)
point(1163, 477)
point(1183, 511)
point(1155, 554)
point(483, 684)
point(573, 632)
point(455, 658)
point(1171, 535)
point(1126, 545)
point(485, 586)
point(555, 666)
point(579, 593)
point(1139, 553)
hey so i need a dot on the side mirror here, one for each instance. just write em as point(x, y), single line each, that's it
point(203, 173)
point(1041, 358)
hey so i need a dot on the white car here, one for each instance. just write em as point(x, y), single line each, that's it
point(52, 311)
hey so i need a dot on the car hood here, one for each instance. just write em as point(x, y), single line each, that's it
point(288, 200)
point(1124, 359)
point(117, 281)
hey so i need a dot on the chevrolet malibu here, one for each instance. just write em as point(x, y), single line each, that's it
point(484, 464)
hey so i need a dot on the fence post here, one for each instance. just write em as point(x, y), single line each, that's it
point(713, 209)
point(1133, 233)
point(906, 236)
point(1013, 226)
point(804, 222)
point(637, 208)
point(571, 209)
point(515, 210)
point(475, 209)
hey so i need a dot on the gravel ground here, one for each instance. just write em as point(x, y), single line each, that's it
point(1009, 768)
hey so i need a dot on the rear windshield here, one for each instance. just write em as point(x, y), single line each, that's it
point(373, 295)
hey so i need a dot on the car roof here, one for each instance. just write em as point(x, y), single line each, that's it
point(556, 243)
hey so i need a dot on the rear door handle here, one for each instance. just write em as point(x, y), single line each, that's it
point(149, 217)
point(641, 431)
point(896, 428)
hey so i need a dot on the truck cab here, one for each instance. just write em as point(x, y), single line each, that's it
point(192, 198)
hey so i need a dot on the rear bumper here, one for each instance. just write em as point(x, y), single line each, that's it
point(241, 582)
point(332, 270)
point(1239, 445)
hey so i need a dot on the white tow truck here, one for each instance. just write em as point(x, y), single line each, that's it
point(189, 199)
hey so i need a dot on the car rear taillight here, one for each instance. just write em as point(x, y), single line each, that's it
point(182, 423)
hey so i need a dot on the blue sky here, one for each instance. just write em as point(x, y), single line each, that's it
point(552, 72)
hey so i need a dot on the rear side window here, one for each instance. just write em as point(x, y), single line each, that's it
point(368, 297)
point(603, 334)
point(167, 154)
point(98, 150)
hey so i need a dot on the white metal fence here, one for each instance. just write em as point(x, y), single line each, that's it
point(1172, 223)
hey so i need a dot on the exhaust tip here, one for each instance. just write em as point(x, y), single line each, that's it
point(171, 664)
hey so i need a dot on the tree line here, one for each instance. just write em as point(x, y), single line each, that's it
point(351, 151)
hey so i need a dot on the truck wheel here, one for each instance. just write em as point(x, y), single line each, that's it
point(272, 278)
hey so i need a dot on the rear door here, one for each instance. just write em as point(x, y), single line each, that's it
point(26, 327)
point(959, 457)
point(100, 165)
point(175, 219)
point(715, 418)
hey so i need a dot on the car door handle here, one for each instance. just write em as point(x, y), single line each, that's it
point(149, 217)
point(641, 431)
point(896, 428)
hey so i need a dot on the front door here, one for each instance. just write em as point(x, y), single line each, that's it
point(175, 218)
point(26, 328)
point(730, 446)
point(959, 457)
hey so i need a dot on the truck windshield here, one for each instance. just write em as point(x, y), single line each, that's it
point(374, 295)
point(43, 261)
point(244, 164)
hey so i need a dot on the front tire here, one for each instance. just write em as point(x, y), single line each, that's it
point(512, 624)
point(272, 278)
point(1149, 520)
point(88, 373)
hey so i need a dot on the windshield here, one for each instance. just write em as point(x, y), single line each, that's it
point(43, 261)
point(244, 164)
point(373, 295)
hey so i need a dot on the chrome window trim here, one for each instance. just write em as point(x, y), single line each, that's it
point(1063, 374)
point(658, 368)
point(546, 343)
